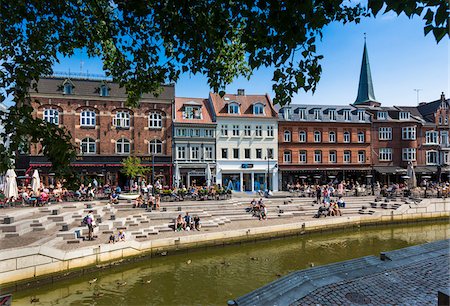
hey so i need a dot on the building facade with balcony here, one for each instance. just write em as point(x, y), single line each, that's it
point(323, 143)
point(104, 129)
point(246, 141)
point(194, 143)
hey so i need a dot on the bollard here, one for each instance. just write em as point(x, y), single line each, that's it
point(65, 227)
point(179, 208)
point(164, 209)
point(112, 217)
point(55, 212)
point(99, 220)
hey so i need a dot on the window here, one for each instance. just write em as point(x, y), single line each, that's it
point(51, 116)
point(332, 115)
point(235, 130)
point(302, 157)
point(385, 154)
point(224, 153)
point(181, 152)
point(302, 136)
point(347, 115)
point(332, 157)
point(224, 130)
point(195, 132)
point(192, 112)
point(208, 152)
point(155, 146)
point(270, 131)
point(347, 136)
point(381, 115)
point(361, 137)
point(404, 116)
point(361, 115)
point(446, 158)
point(247, 130)
point(317, 114)
point(87, 118)
point(385, 133)
point(247, 153)
point(104, 91)
point(155, 120)
point(317, 136)
point(209, 133)
point(233, 108)
point(444, 138)
point(259, 153)
point(347, 157)
point(195, 152)
point(269, 153)
point(68, 88)
point(302, 114)
point(123, 146)
point(287, 136)
point(332, 136)
point(236, 153)
point(317, 156)
point(122, 119)
point(432, 158)
point(440, 120)
point(258, 109)
point(361, 157)
point(287, 157)
point(258, 131)
point(409, 154)
point(88, 146)
point(287, 113)
point(431, 137)
point(409, 133)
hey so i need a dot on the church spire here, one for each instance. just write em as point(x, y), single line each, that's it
point(366, 93)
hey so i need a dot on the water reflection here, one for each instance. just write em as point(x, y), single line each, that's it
point(215, 275)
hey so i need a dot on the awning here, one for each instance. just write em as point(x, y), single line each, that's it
point(389, 169)
point(426, 169)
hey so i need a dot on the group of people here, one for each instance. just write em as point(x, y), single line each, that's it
point(42, 196)
point(332, 208)
point(187, 223)
point(120, 236)
point(148, 201)
point(258, 209)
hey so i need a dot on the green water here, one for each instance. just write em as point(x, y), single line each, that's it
point(216, 275)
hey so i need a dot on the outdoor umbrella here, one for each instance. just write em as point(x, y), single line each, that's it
point(36, 182)
point(412, 181)
point(11, 185)
point(177, 175)
point(208, 176)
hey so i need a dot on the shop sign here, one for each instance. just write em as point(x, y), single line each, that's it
point(246, 166)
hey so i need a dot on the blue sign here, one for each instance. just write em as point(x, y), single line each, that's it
point(246, 166)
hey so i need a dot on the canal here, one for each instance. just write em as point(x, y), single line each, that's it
point(214, 275)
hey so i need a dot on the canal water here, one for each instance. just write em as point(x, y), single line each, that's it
point(214, 275)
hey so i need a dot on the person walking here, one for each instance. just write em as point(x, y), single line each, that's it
point(89, 220)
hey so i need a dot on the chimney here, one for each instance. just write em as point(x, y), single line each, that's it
point(241, 92)
point(442, 97)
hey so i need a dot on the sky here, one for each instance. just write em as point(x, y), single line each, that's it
point(401, 59)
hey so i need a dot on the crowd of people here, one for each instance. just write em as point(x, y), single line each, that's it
point(187, 223)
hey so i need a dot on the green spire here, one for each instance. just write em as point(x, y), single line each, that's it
point(365, 88)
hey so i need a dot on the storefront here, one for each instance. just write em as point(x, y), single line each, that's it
point(250, 177)
point(196, 174)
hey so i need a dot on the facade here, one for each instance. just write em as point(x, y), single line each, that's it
point(323, 143)
point(104, 129)
point(194, 143)
point(246, 141)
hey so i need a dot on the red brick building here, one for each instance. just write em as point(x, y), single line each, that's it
point(104, 129)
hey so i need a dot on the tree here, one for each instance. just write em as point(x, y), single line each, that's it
point(132, 167)
point(146, 43)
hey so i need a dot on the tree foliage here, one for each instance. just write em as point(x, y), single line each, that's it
point(132, 167)
point(144, 43)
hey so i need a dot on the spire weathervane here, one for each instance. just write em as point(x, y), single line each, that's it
point(366, 93)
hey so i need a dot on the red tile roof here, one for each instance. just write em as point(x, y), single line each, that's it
point(246, 103)
point(179, 108)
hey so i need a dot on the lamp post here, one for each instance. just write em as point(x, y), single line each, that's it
point(269, 156)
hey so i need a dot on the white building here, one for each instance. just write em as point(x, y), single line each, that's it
point(194, 141)
point(246, 141)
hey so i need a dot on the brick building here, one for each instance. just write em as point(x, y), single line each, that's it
point(104, 129)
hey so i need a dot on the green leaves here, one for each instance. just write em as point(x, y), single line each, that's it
point(132, 167)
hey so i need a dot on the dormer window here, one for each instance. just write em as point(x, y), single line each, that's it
point(104, 91)
point(233, 108)
point(332, 115)
point(68, 88)
point(361, 115)
point(347, 115)
point(287, 113)
point(302, 114)
point(404, 115)
point(317, 114)
point(258, 109)
point(382, 115)
point(192, 112)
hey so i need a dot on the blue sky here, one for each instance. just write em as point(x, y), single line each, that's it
point(401, 57)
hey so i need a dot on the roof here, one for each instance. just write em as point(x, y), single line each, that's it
point(246, 102)
point(365, 89)
point(87, 87)
point(180, 104)
point(325, 109)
